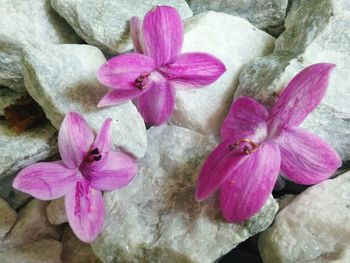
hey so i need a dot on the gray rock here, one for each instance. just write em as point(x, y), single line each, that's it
point(56, 212)
point(26, 148)
point(62, 78)
point(105, 23)
point(156, 218)
point(203, 110)
point(285, 200)
point(75, 251)
point(15, 198)
point(316, 31)
point(7, 97)
point(312, 228)
point(267, 15)
point(43, 251)
point(8, 217)
point(32, 225)
point(23, 22)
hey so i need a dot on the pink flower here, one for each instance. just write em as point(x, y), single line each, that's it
point(257, 144)
point(152, 75)
point(88, 167)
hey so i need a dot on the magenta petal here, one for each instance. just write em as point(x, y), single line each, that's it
point(195, 70)
point(245, 192)
point(74, 139)
point(85, 211)
point(136, 34)
point(306, 158)
point(45, 181)
point(163, 34)
point(118, 172)
point(120, 72)
point(116, 97)
point(301, 96)
point(247, 118)
point(220, 164)
point(158, 103)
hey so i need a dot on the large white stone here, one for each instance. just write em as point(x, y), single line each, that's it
point(105, 23)
point(316, 31)
point(26, 22)
point(43, 251)
point(236, 42)
point(62, 78)
point(20, 150)
point(314, 227)
point(156, 217)
point(267, 15)
point(8, 217)
point(32, 225)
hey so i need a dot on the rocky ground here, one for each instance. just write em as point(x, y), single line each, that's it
point(50, 51)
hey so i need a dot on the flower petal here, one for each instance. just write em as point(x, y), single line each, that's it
point(116, 97)
point(301, 96)
point(247, 118)
point(120, 72)
point(220, 164)
point(118, 172)
point(45, 181)
point(74, 139)
point(306, 158)
point(136, 34)
point(195, 70)
point(245, 192)
point(85, 211)
point(158, 103)
point(163, 34)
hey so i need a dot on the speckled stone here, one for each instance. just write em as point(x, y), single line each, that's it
point(8, 217)
point(43, 251)
point(203, 110)
point(26, 22)
point(156, 218)
point(267, 15)
point(314, 227)
point(62, 78)
point(316, 31)
point(26, 148)
point(7, 97)
point(105, 23)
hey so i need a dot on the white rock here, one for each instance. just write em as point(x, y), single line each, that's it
point(62, 78)
point(32, 225)
point(26, 148)
point(105, 23)
point(285, 200)
point(7, 97)
point(44, 251)
point(75, 251)
point(56, 212)
point(267, 15)
point(236, 43)
point(8, 217)
point(23, 22)
point(156, 218)
point(315, 226)
point(316, 31)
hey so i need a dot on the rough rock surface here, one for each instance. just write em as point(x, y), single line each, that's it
point(267, 15)
point(75, 251)
point(204, 109)
point(26, 148)
point(316, 31)
point(156, 216)
point(62, 78)
point(315, 226)
point(23, 23)
point(8, 217)
point(7, 97)
point(15, 198)
point(32, 225)
point(43, 251)
point(56, 212)
point(105, 23)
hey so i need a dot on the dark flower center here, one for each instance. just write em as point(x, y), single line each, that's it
point(141, 81)
point(246, 145)
point(94, 155)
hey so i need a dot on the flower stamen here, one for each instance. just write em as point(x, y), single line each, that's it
point(141, 81)
point(94, 155)
point(247, 149)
